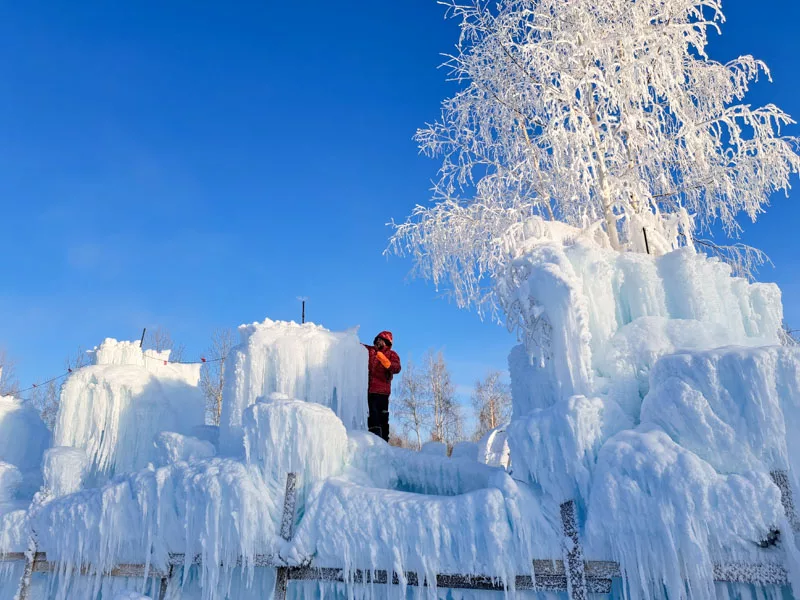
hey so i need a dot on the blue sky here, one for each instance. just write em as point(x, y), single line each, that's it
point(197, 165)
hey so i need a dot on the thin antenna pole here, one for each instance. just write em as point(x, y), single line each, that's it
point(302, 300)
point(141, 342)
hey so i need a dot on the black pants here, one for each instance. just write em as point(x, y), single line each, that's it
point(378, 421)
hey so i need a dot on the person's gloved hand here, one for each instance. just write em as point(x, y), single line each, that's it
point(383, 360)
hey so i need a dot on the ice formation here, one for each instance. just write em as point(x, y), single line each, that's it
point(305, 361)
point(10, 481)
point(493, 448)
point(651, 390)
point(292, 436)
point(130, 595)
point(467, 450)
point(648, 389)
point(23, 440)
point(114, 408)
point(173, 447)
point(64, 470)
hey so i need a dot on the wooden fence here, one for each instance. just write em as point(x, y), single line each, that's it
point(571, 573)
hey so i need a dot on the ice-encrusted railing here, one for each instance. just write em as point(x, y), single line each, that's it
point(571, 573)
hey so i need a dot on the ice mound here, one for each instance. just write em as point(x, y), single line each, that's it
point(402, 531)
point(665, 514)
point(114, 408)
point(736, 408)
point(173, 447)
point(23, 435)
point(129, 595)
point(493, 448)
point(217, 509)
point(465, 450)
point(434, 448)
point(306, 362)
point(556, 447)
point(651, 390)
point(372, 457)
point(292, 436)
point(594, 321)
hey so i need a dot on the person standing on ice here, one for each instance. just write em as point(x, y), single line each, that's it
point(383, 365)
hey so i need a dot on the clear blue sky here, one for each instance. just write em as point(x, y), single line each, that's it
point(197, 165)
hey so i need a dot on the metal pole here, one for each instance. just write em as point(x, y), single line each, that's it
point(141, 342)
point(573, 559)
point(287, 531)
point(646, 244)
point(303, 319)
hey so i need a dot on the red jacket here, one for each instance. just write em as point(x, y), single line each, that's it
point(380, 378)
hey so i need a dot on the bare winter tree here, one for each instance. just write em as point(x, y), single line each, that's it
point(212, 376)
point(607, 115)
point(411, 405)
point(446, 419)
point(160, 339)
point(491, 399)
point(789, 336)
point(46, 399)
point(8, 381)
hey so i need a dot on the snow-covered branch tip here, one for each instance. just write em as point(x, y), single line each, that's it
point(744, 260)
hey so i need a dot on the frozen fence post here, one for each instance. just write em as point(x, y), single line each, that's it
point(287, 531)
point(573, 553)
point(27, 573)
point(162, 591)
point(781, 479)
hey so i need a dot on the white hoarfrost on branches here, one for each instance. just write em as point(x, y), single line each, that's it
point(591, 113)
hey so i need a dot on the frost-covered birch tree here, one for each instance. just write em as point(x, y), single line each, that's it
point(8, 382)
point(446, 420)
point(212, 375)
point(411, 406)
point(596, 113)
point(491, 399)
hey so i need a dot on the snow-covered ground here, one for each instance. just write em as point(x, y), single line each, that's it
point(650, 390)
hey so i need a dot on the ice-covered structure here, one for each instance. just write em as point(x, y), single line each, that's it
point(23, 440)
point(649, 390)
point(652, 390)
point(113, 409)
point(305, 361)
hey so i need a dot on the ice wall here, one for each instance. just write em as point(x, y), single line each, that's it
point(595, 321)
point(651, 390)
point(113, 409)
point(217, 509)
point(306, 362)
point(292, 436)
